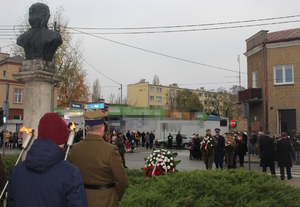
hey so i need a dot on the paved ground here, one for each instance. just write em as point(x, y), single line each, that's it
point(136, 160)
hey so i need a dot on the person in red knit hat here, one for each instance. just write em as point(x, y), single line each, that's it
point(45, 178)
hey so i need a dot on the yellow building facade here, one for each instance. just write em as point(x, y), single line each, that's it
point(143, 94)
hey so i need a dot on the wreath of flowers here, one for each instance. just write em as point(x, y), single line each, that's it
point(207, 145)
point(229, 146)
point(160, 162)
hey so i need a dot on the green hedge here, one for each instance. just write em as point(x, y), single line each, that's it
point(203, 188)
point(209, 188)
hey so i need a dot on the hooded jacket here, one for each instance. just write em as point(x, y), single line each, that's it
point(45, 179)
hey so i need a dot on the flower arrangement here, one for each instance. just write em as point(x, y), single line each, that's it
point(207, 145)
point(229, 146)
point(160, 162)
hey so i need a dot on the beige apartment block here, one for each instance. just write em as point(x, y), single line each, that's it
point(143, 94)
point(273, 68)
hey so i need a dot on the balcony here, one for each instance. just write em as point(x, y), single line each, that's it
point(251, 94)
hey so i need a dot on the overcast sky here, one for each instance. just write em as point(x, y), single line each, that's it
point(126, 65)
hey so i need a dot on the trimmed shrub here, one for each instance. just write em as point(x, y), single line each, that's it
point(209, 188)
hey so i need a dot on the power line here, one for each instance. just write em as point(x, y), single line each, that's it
point(194, 30)
point(94, 67)
point(161, 54)
point(191, 25)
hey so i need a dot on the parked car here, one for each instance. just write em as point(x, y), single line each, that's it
point(185, 141)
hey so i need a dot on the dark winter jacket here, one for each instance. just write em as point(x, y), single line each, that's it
point(45, 179)
point(253, 139)
point(267, 149)
point(284, 153)
point(178, 138)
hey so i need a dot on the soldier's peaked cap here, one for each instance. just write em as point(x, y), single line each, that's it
point(94, 117)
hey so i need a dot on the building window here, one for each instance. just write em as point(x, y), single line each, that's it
point(224, 97)
point(215, 96)
point(158, 98)
point(200, 94)
point(158, 90)
point(16, 117)
point(18, 96)
point(151, 89)
point(254, 79)
point(172, 100)
point(283, 74)
point(206, 95)
point(205, 103)
point(4, 73)
point(209, 103)
point(177, 92)
point(209, 95)
point(209, 111)
point(172, 91)
point(151, 98)
point(201, 102)
point(205, 110)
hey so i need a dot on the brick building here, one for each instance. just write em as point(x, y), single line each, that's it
point(273, 68)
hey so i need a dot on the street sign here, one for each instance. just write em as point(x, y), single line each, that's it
point(76, 105)
point(67, 121)
point(233, 123)
point(94, 106)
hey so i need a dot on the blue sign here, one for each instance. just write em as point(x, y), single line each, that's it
point(94, 106)
point(76, 105)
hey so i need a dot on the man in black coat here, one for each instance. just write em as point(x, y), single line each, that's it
point(143, 138)
point(253, 141)
point(178, 140)
point(219, 149)
point(267, 149)
point(284, 153)
point(152, 137)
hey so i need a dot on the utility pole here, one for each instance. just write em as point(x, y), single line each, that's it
point(6, 114)
point(121, 96)
point(239, 62)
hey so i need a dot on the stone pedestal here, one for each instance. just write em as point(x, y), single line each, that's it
point(38, 76)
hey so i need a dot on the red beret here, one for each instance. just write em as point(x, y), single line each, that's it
point(53, 127)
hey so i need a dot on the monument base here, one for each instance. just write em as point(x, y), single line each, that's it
point(37, 96)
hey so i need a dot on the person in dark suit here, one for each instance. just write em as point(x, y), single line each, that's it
point(178, 140)
point(267, 149)
point(284, 153)
point(219, 149)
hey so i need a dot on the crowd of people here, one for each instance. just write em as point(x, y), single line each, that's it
point(233, 146)
point(11, 140)
point(228, 146)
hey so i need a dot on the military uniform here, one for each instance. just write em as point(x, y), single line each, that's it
point(100, 165)
point(209, 158)
point(120, 144)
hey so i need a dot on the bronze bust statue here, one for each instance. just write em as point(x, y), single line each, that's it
point(39, 42)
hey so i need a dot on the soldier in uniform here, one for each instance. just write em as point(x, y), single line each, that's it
point(120, 144)
point(209, 158)
point(220, 149)
point(100, 164)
